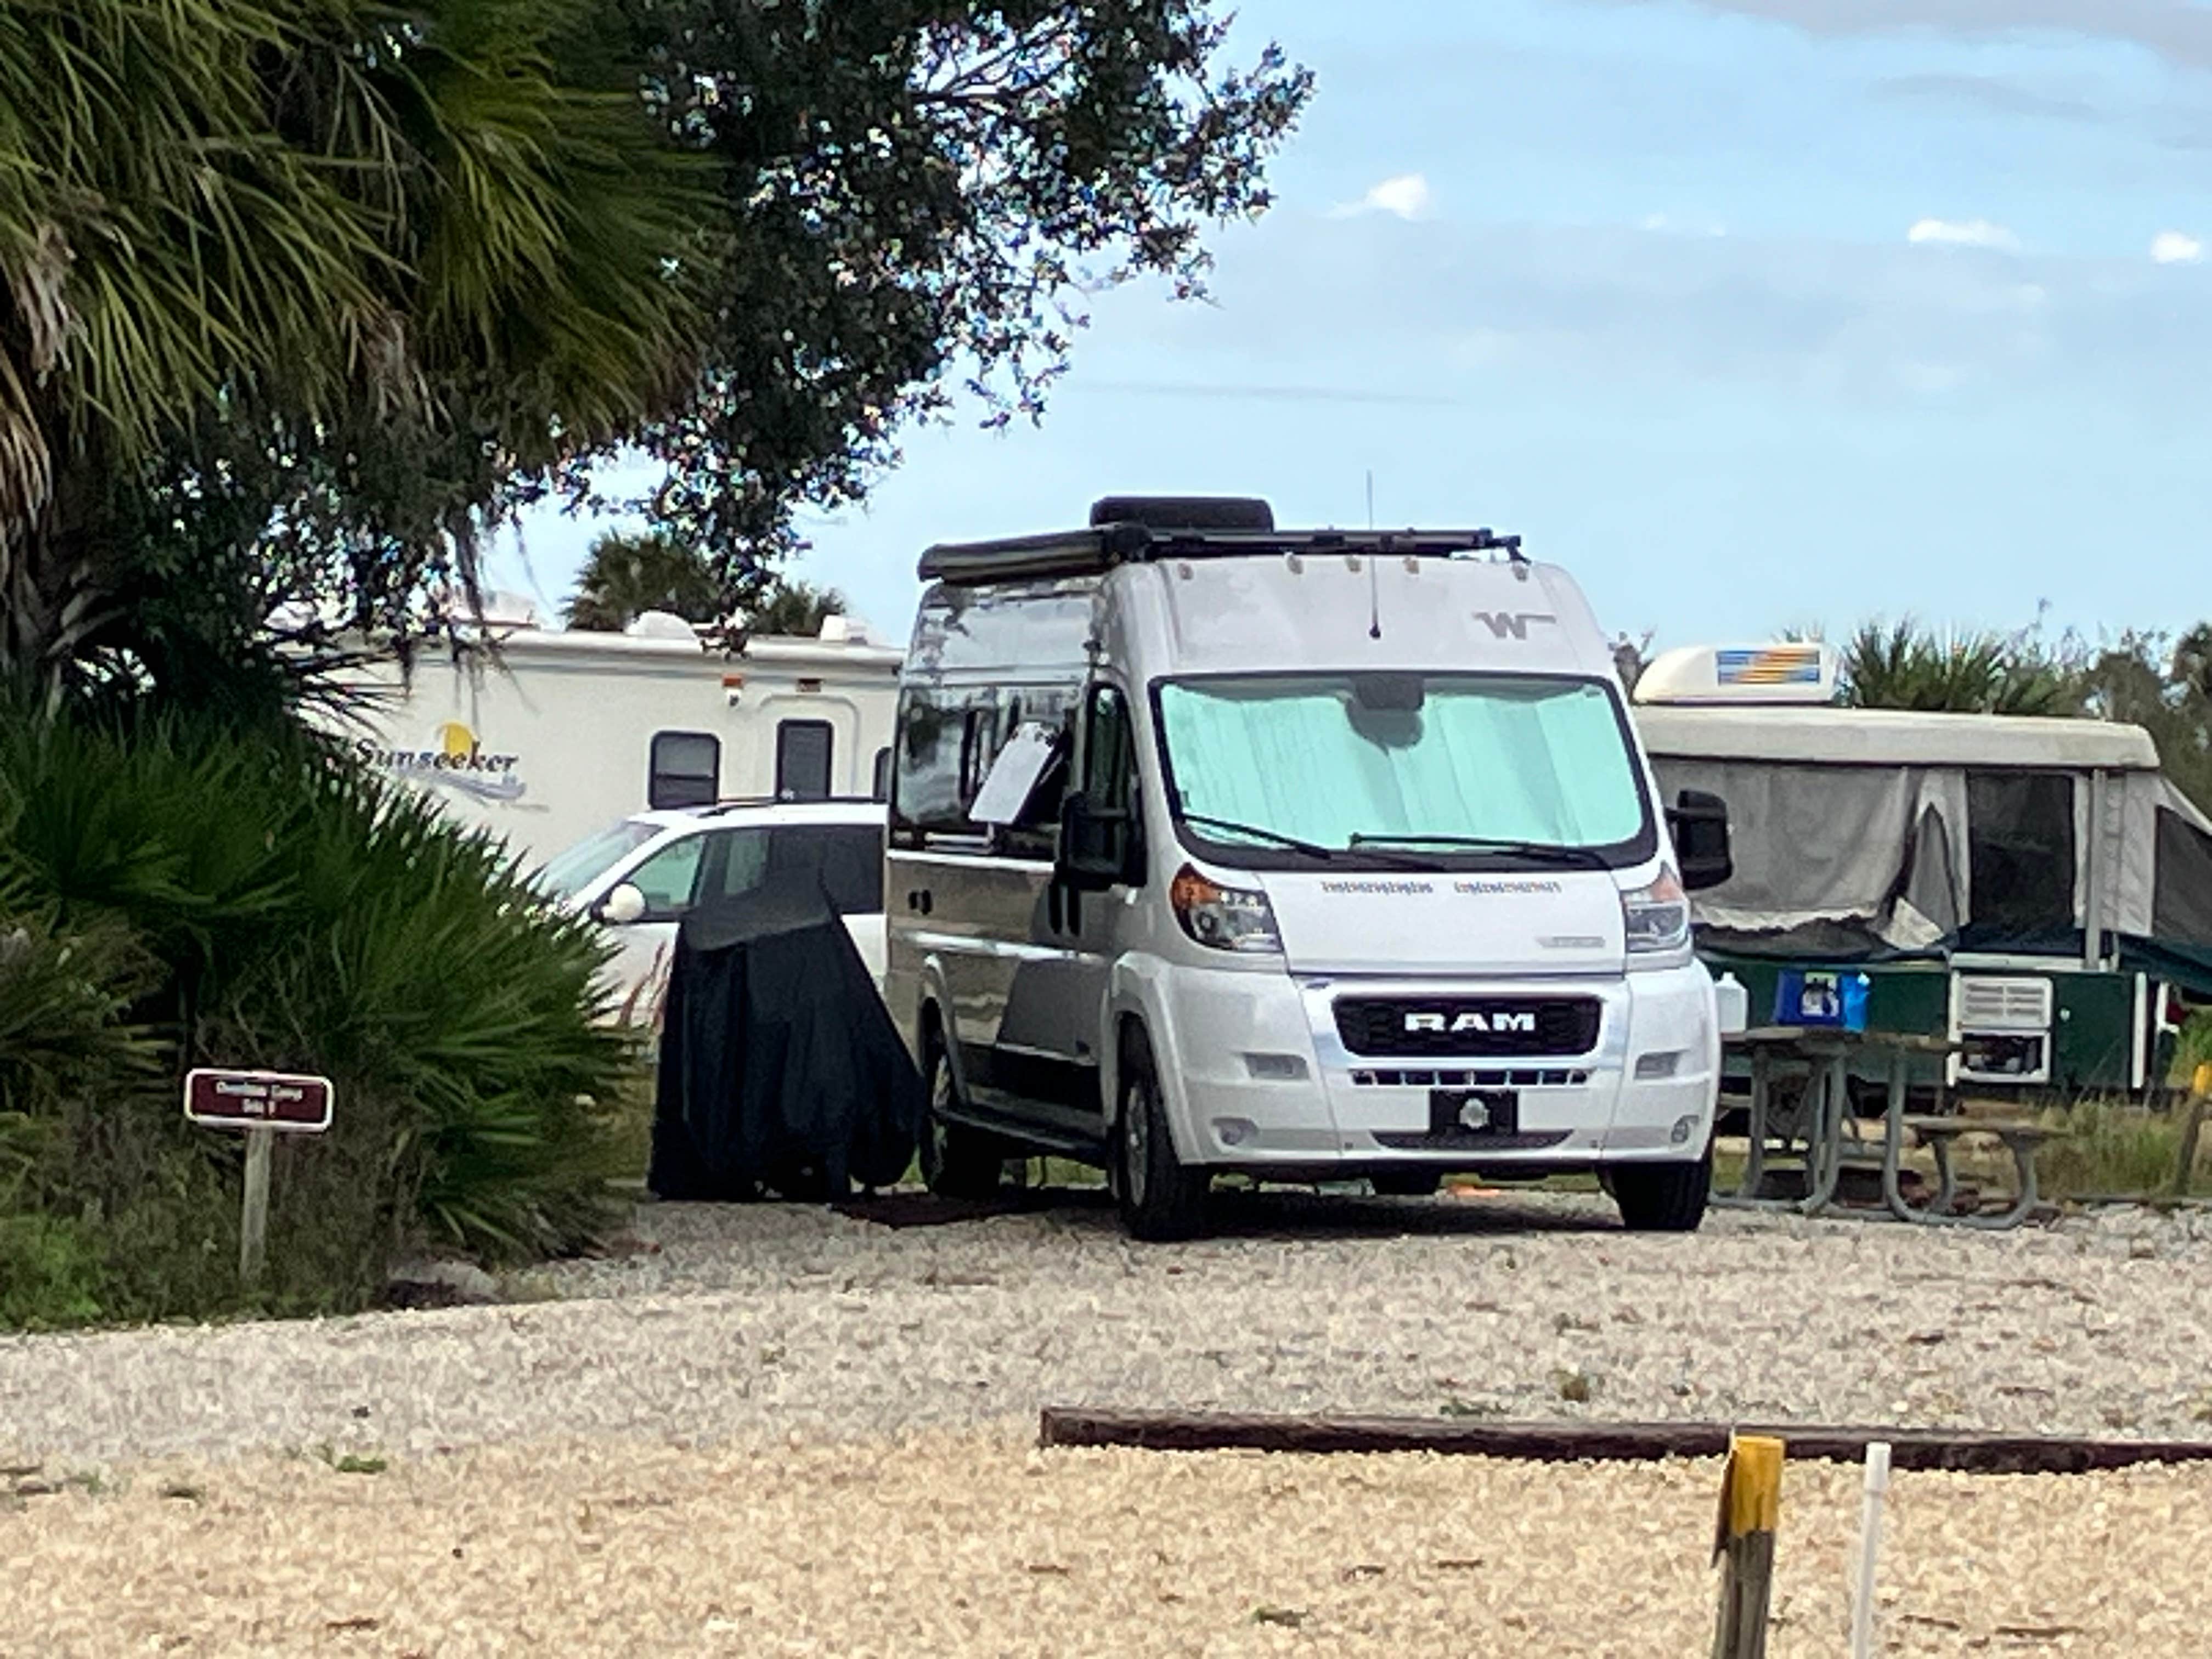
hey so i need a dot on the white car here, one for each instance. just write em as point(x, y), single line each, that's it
point(641, 875)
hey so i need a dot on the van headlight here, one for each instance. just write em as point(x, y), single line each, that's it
point(1224, 918)
point(1656, 918)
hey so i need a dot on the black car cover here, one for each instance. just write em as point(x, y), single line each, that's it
point(780, 1067)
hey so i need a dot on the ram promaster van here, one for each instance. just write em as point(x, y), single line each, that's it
point(1311, 856)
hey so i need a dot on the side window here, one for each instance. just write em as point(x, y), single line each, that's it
point(979, 747)
point(1033, 835)
point(926, 767)
point(851, 867)
point(802, 760)
point(686, 770)
point(668, 878)
point(740, 862)
point(1110, 754)
point(882, 781)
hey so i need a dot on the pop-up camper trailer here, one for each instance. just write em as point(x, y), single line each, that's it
point(2035, 890)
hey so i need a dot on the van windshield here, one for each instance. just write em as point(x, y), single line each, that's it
point(1441, 769)
point(570, 872)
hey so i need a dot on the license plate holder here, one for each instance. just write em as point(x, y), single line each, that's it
point(1475, 1111)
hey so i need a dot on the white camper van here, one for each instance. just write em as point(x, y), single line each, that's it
point(1306, 855)
point(570, 732)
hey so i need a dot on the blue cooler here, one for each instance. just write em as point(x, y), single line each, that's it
point(1836, 1000)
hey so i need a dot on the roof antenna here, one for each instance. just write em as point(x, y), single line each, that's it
point(1370, 498)
point(1375, 590)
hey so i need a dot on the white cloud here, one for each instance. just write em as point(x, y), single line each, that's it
point(2175, 247)
point(1407, 197)
point(1962, 233)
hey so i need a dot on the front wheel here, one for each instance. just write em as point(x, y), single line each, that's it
point(1663, 1198)
point(957, 1161)
point(1160, 1198)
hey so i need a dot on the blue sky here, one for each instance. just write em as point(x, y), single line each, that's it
point(1754, 314)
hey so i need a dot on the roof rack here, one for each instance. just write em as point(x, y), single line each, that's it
point(739, 802)
point(1088, 552)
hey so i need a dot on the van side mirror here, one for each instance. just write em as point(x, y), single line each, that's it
point(1700, 825)
point(1097, 849)
point(623, 905)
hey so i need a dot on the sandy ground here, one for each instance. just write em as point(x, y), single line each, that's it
point(973, 1544)
point(773, 1430)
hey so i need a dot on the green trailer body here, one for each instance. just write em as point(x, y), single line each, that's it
point(2106, 1034)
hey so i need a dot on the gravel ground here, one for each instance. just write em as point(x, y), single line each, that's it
point(721, 1322)
point(781, 1431)
point(971, 1544)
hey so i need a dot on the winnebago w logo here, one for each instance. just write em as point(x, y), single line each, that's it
point(1472, 1020)
point(1516, 622)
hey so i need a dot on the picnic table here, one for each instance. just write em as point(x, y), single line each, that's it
point(1818, 1131)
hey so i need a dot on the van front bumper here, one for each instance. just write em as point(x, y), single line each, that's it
point(1259, 1079)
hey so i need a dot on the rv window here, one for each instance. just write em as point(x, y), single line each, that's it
point(687, 770)
point(802, 760)
point(883, 783)
point(926, 775)
point(979, 747)
point(2019, 857)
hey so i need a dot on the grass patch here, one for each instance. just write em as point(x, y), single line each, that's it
point(353, 1462)
point(2112, 1148)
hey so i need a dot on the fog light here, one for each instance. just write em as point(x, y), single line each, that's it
point(1651, 1068)
point(1683, 1129)
point(1234, 1131)
point(1275, 1068)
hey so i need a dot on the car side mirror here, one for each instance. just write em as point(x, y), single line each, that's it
point(1098, 850)
point(1700, 825)
point(623, 905)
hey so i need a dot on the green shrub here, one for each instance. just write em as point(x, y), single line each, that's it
point(175, 893)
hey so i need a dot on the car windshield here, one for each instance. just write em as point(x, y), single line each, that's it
point(571, 872)
point(1441, 768)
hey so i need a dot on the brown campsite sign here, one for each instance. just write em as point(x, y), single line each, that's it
point(257, 1100)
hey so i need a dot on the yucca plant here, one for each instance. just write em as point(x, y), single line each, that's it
point(256, 899)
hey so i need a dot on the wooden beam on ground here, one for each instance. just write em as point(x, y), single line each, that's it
point(1968, 1451)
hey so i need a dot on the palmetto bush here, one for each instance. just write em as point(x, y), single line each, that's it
point(176, 892)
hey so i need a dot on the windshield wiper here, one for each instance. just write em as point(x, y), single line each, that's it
point(1588, 858)
point(1258, 832)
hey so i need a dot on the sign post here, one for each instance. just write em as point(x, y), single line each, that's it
point(262, 1105)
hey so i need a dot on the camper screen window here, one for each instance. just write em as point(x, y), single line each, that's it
point(2020, 851)
point(687, 770)
point(802, 760)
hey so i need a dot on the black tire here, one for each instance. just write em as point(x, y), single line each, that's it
point(1663, 1198)
point(1405, 1183)
point(957, 1161)
point(1161, 1200)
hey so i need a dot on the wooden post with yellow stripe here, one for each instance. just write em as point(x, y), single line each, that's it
point(2185, 1164)
point(1743, 1544)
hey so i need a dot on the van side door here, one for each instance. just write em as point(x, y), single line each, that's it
point(1084, 928)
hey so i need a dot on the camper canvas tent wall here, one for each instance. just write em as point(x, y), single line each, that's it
point(567, 731)
point(2036, 889)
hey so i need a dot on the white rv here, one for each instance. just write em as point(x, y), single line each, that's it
point(569, 732)
point(1305, 855)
